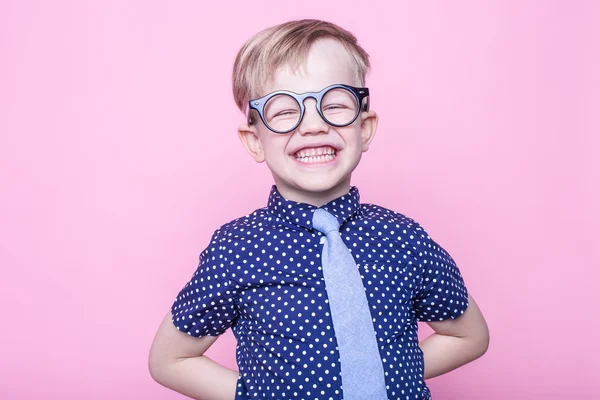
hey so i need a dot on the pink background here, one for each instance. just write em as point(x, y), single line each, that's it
point(119, 158)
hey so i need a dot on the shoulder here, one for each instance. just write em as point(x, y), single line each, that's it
point(398, 228)
point(406, 232)
point(230, 232)
point(393, 221)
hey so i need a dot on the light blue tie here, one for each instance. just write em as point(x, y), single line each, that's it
point(360, 361)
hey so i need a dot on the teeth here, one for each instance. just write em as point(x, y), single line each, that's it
point(316, 152)
point(316, 159)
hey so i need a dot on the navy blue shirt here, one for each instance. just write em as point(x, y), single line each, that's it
point(261, 275)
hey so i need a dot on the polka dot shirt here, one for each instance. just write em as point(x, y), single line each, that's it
point(261, 275)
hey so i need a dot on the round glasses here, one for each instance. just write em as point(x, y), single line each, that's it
point(282, 111)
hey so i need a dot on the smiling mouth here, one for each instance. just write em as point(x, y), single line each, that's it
point(316, 155)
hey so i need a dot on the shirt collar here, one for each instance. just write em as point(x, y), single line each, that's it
point(302, 213)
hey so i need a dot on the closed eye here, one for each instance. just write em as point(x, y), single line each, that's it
point(334, 106)
point(287, 112)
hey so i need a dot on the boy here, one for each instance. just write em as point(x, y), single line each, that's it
point(285, 277)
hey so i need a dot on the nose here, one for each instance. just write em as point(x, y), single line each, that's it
point(312, 123)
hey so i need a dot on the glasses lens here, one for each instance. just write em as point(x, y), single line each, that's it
point(281, 113)
point(339, 106)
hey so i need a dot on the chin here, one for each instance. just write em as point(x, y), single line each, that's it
point(320, 185)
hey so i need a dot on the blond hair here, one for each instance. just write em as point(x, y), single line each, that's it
point(286, 44)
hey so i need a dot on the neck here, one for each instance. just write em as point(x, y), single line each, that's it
point(315, 198)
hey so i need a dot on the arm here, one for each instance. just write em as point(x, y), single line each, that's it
point(455, 342)
point(176, 362)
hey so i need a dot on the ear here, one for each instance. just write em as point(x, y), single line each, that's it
point(249, 137)
point(369, 120)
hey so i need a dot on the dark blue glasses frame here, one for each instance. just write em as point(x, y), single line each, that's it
point(359, 95)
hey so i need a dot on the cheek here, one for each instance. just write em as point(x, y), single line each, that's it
point(274, 146)
point(353, 139)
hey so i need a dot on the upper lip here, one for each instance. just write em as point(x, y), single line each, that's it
point(315, 145)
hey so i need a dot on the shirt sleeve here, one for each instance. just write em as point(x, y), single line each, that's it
point(442, 293)
point(206, 304)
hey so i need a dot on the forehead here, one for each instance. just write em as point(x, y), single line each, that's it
point(327, 63)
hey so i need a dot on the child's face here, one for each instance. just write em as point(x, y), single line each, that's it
point(315, 183)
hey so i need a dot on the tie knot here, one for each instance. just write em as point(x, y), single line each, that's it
point(324, 222)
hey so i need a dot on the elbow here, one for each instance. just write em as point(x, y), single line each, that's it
point(482, 342)
point(483, 347)
point(154, 369)
point(157, 368)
